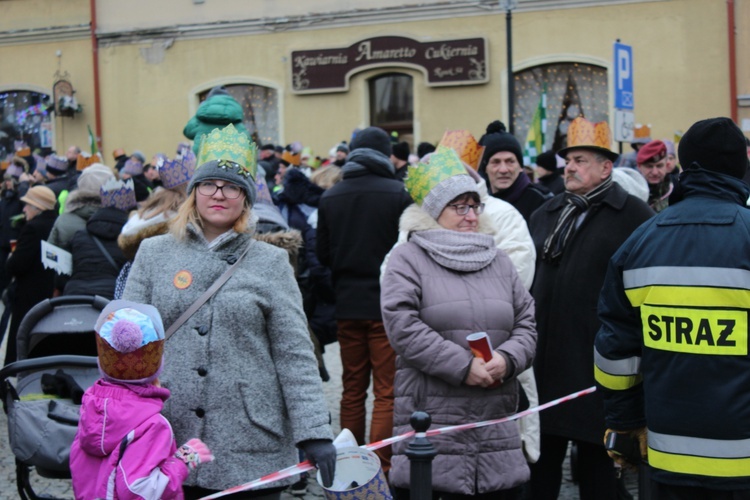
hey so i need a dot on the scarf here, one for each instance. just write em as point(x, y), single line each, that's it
point(565, 226)
point(515, 190)
point(465, 252)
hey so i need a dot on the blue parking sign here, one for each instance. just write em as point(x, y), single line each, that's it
point(623, 61)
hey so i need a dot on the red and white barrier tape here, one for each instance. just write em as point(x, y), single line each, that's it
point(306, 465)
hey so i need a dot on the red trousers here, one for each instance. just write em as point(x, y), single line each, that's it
point(364, 350)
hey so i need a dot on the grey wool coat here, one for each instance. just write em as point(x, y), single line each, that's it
point(428, 311)
point(241, 370)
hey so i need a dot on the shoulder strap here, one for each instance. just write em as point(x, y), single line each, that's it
point(105, 252)
point(205, 296)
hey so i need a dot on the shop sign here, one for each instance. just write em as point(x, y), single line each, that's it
point(443, 62)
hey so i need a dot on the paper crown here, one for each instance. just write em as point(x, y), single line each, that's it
point(228, 146)
point(118, 194)
point(178, 171)
point(130, 342)
point(291, 158)
point(21, 148)
point(59, 163)
point(85, 159)
point(465, 145)
point(641, 131)
point(583, 133)
point(422, 178)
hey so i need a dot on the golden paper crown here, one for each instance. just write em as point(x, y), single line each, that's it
point(227, 145)
point(641, 131)
point(291, 158)
point(84, 160)
point(423, 177)
point(583, 133)
point(465, 145)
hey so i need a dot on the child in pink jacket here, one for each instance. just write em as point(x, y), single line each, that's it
point(124, 448)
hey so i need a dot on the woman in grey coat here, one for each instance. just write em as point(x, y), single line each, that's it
point(241, 370)
point(447, 281)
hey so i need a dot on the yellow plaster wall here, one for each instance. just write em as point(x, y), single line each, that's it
point(29, 14)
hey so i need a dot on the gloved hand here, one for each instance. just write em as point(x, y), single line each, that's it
point(637, 437)
point(194, 453)
point(322, 454)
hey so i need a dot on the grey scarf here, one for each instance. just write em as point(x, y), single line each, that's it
point(465, 252)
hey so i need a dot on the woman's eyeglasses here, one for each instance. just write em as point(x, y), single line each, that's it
point(229, 191)
point(462, 209)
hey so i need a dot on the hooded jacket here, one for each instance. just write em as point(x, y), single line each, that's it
point(124, 448)
point(428, 310)
point(93, 273)
point(357, 226)
point(79, 207)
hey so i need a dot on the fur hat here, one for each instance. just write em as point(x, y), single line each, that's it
point(652, 152)
point(40, 197)
point(373, 138)
point(715, 144)
point(496, 140)
point(401, 151)
point(129, 342)
point(93, 177)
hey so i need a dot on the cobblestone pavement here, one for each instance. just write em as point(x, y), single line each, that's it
point(61, 489)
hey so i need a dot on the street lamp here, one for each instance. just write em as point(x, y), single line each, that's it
point(509, 5)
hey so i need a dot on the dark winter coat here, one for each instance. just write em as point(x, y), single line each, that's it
point(566, 295)
point(532, 197)
point(428, 311)
point(357, 227)
point(553, 182)
point(93, 274)
point(10, 206)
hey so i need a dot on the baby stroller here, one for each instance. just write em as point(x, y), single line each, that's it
point(56, 363)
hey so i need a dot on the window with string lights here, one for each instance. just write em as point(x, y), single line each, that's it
point(25, 116)
point(260, 106)
point(392, 103)
point(573, 89)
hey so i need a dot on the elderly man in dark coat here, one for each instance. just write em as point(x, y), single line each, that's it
point(575, 234)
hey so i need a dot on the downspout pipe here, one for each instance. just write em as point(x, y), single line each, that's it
point(731, 31)
point(95, 53)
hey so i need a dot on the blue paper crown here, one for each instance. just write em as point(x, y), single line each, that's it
point(118, 194)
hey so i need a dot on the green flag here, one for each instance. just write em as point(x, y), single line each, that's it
point(92, 142)
point(535, 137)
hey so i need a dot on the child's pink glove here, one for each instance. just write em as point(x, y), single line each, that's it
point(194, 453)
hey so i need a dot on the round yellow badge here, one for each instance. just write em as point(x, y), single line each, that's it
point(182, 279)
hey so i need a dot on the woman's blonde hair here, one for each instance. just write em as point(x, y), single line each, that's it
point(327, 176)
point(188, 214)
point(163, 201)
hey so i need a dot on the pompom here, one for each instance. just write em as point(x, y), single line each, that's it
point(126, 336)
point(496, 127)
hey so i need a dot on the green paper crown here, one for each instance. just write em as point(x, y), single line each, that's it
point(423, 177)
point(228, 146)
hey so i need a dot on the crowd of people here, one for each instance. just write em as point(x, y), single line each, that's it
point(238, 263)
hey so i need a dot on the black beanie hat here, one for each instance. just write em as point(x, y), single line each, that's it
point(496, 140)
point(548, 161)
point(401, 151)
point(373, 138)
point(715, 144)
point(424, 149)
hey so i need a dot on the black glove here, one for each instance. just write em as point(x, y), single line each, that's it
point(322, 454)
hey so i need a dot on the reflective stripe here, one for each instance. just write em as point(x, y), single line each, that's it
point(688, 296)
point(687, 276)
point(616, 382)
point(714, 448)
point(699, 456)
point(627, 366)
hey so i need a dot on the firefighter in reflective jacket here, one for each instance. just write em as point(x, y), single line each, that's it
point(671, 357)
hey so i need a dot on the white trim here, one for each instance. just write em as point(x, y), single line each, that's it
point(193, 101)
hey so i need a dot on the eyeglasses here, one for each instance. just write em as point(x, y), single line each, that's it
point(462, 209)
point(229, 191)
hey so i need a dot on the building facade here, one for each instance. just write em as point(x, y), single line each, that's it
point(315, 71)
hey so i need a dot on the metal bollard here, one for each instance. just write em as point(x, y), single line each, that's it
point(420, 453)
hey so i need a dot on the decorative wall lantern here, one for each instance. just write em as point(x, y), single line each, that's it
point(64, 96)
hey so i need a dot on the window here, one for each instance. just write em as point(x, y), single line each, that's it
point(24, 117)
point(573, 89)
point(261, 109)
point(392, 103)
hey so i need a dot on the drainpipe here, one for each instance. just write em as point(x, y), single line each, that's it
point(732, 60)
point(95, 53)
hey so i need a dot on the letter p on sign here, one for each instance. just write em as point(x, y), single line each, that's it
point(623, 62)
